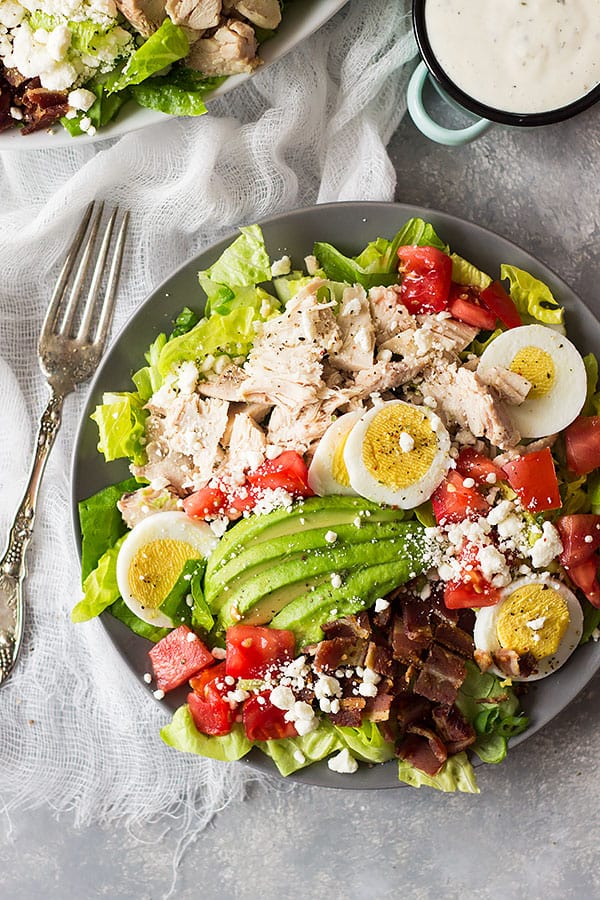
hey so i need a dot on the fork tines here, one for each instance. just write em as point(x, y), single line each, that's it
point(89, 321)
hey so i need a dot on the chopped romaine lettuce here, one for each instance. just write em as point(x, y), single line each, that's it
point(591, 621)
point(456, 774)
point(232, 334)
point(493, 710)
point(592, 402)
point(366, 743)
point(182, 734)
point(291, 754)
point(532, 297)
point(202, 618)
point(121, 611)
point(464, 272)
point(101, 523)
point(179, 93)
point(244, 263)
point(121, 424)
point(100, 588)
point(184, 322)
point(168, 44)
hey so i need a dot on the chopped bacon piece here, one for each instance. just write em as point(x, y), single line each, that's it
point(441, 676)
point(351, 712)
point(349, 627)
point(423, 749)
point(513, 664)
point(456, 733)
point(406, 649)
point(379, 658)
point(340, 651)
point(410, 709)
point(379, 708)
point(415, 615)
point(455, 639)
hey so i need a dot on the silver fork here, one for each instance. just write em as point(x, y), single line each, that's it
point(70, 347)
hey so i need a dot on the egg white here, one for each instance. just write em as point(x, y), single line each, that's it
point(486, 637)
point(540, 416)
point(174, 526)
point(320, 473)
point(366, 485)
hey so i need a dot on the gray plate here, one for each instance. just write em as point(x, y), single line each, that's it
point(349, 226)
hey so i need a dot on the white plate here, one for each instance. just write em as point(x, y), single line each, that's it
point(301, 19)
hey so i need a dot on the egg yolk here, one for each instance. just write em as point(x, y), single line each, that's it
point(156, 567)
point(535, 617)
point(537, 367)
point(382, 454)
point(338, 466)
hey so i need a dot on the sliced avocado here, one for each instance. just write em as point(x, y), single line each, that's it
point(262, 589)
point(305, 615)
point(258, 557)
point(271, 604)
point(325, 512)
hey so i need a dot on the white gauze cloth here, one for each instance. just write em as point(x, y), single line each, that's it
point(77, 731)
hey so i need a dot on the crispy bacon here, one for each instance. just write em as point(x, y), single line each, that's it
point(349, 627)
point(351, 712)
point(378, 709)
point(340, 651)
point(441, 676)
point(456, 733)
point(406, 649)
point(379, 658)
point(410, 709)
point(454, 638)
point(423, 749)
point(514, 664)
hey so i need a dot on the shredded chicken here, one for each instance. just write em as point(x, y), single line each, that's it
point(383, 376)
point(226, 386)
point(300, 429)
point(356, 330)
point(230, 51)
point(145, 15)
point(524, 449)
point(264, 13)
point(390, 316)
point(246, 450)
point(195, 14)
point(512, 387)
point(138, 505)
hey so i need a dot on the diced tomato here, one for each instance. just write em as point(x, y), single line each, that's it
point(287, 471)
point(582, 443)
point(580, 536)
point(210, 711)
point(426, 278)
point(205, 503)
point(251, 649)
point(473, 589)
point(463, 595)
point(585, 576)
point(453, 502)
point(242, 499)
point(211, 714)
point(265, 722)
point(176, 658)
point(471, 464)
point(464, 305)
point(533, 478)
point(501, 305)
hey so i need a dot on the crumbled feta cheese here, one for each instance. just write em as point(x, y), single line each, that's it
point(81, 99)
point(406, 441)
point(384, 356)
point(221, 363)
point(491, 478)
point(299, 757)
point(303, 717)
point(273, 499)
point(281, 266)
point(158, 695)
point(327, 686)
point(366, 689)
point(547, 547)
point(330, 537)
point(343, 763)
point(312, 264)
point(380, 604)
point(147, 677)
point(536, 624)
point(219, 652)
point(219, 526)
point(336, 580)
point(282, 697)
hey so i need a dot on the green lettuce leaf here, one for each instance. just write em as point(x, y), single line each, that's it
point(121, 611)
point(456, 774)
point(148, 379)
point(593, 491)
point(418, 233)
point(179, 93)
point(464, 272)
point(591, 621)
point(532, 297)
point(101, 112)
point(291, 754)
point(121, 426)
point(184, 322)
point(478, 347)
point(245, 262)
point(100, 588)
point(493, 710)
point(232, 334)
point(366, 743)
point(202, 618)
point(182, 734)
point(590, 407)
point(168, 44)
point(101, 523)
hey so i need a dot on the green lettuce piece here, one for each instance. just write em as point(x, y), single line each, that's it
point(456, 774)
point(101, 112)
point(202, 618)
point(593, 491)
point(575, 498)
point(232, 334)
point(182, 734)
point(493, 710)
point(148, 379)
point(179, 93)
point(590, 406)
point(366, 743)
point(532, 297)
point(338, 267)
point(418, 233)
point(101, 523)
point(121, 611)
point(100, 588)
point(424, 514)
point(121, 426)
point(175, 604)
point(478, 347)
point(292, 754)
point(591, 621)
point(464, 272)
point(184, 322)
point(168, 44)
point(245, 262)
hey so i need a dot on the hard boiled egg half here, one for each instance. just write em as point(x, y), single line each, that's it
point(555, 369)
point(152, 557)
point(539, 615)
point(397, 453)
point(327, 473)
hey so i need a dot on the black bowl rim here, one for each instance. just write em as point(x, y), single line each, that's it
point(550, 117)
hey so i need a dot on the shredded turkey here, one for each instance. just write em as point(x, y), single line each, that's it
point(390, 316)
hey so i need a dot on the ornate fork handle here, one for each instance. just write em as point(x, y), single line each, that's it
point(12, 566)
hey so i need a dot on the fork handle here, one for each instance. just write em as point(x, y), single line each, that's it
point(12, 566)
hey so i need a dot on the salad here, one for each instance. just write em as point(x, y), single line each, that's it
point(78, 63)
point(363, 512)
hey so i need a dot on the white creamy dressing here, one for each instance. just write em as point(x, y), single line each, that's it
point(520, 56)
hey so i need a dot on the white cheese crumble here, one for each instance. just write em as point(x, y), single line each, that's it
point(406, 441)
point(282, 697)
point(219, 652)
point(312, 264)
point(536, 624)
point(547, 547)
point(158, 695)
point(343, 763)
point(147, 677)
point(380, 604)
point(336, 580)
point(331, 537)
point(281, 266)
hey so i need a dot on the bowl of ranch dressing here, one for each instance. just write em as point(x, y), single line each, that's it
point(517, 62)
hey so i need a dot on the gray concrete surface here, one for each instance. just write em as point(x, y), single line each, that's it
point(533, 832)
